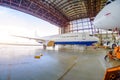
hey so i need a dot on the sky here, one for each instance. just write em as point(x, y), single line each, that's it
point(13, 22)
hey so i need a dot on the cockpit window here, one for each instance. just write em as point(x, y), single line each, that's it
point(108, 2)
point(112, 0)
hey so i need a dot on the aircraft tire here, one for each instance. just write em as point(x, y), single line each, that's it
point(113, 46)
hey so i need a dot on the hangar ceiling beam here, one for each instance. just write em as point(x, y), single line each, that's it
point(57, 12)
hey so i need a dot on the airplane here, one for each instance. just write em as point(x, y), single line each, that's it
point(66, 39)
point(108, 18)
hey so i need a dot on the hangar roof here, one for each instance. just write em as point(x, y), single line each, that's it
point(57, 12)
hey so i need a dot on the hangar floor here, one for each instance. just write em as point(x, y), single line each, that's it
point(19, 63)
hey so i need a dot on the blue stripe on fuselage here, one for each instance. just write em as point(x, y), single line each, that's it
point(87, 43)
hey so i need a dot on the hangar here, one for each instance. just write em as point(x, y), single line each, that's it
point(69, 15)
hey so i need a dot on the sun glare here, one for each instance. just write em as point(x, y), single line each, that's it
point(17, 23)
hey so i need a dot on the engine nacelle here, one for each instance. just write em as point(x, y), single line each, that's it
point(50, 43)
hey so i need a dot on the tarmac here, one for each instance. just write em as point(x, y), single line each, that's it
point(63, 63)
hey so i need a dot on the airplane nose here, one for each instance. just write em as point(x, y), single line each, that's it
point(98, 22)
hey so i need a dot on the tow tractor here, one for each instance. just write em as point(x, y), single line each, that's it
point(113, 54)
point(112, 73)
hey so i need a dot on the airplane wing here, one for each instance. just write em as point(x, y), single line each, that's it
point(43, 41)
point(37, 39)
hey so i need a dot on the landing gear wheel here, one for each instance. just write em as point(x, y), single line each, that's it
point(106, 56)
point(113, 46)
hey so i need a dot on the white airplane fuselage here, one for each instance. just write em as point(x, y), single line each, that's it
point(65, 39)
point(109, 16)
point(73, 39)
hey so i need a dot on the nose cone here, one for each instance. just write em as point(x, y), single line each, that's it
point(98, 22)
point(101, 18)
point(108, 17)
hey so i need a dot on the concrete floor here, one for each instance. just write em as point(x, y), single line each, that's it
point(19, 63)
